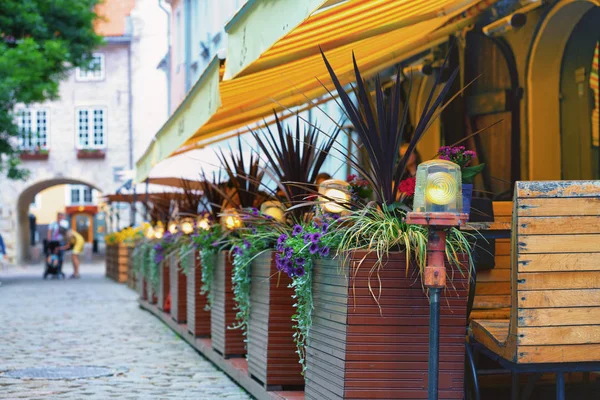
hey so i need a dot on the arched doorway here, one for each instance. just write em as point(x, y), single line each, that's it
point(543, 72)
point(24, 201)
point(579, 100)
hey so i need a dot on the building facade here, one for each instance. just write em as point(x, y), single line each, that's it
point(88, 137)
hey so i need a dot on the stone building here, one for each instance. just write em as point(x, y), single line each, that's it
point(89, 136)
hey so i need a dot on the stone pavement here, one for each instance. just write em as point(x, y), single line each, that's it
point(95, 322)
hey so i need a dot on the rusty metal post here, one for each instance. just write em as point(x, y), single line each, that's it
point(435, 281)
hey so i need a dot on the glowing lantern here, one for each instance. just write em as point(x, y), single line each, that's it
point(159, 231)
point(173, 228)
point(230, 220)
point(203, 223)
point(149, 232)
point(438, 188)
point(334, 196)
point(187, 226)
point(273, 209)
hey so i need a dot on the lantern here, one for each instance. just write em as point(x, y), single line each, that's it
point(334, 196)
point(187, 225)
point(149, 232)
point(230, 220)
point(438, 188)
point(202, 222)
point(159, 231)
point(273, 209)
point(173, 228)
point(437, 206)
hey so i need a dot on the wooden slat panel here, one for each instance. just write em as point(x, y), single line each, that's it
point(559, 262)
point(550, 189)
point(551, 335)
point(559, 280)
point(494, 275)
point(558, 225)
point(492, 288)
point(558, 354)
point(559, 316)
point(559, 207)
point(559, 298)
point(502, 209)
point(559, 243)
point(495, 301)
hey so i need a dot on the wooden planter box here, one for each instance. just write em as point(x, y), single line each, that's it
point(359, 350)
point(164, 285)
point(178, 290)
point(142, 289)
point(150, 293)
point(34, 156)
point(91, 155)
point(272, 358)
point(117, 262)
point(227, 342)
point(198, 317)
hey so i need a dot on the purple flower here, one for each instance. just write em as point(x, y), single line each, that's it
point(289, 252)
point(215, 244)
point(300, 261)
point(282, 238)
point(255, 211)
point(268, 217)
point(307, 238)
point(315, 237)
point(299, 271)
point(279, 247)
point(335, 217)
point(297, 230)
point(324, 251)
point(325, 227)
point(247, 244)
point(313, 248)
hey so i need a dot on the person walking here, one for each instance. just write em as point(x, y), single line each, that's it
point(75, 242)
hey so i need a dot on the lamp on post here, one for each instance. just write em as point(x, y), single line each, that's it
point(437, 205)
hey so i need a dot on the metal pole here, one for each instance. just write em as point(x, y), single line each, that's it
point(434, 343)
point(435, 281)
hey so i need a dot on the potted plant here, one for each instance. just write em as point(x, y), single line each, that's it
point(36, 153)
point(369, 332)
point(463, 157)
point(201, 269)
point(294, 158)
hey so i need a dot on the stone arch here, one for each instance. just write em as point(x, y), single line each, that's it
point(26, 196)
point(543, 86)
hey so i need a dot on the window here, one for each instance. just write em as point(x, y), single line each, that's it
point(81, 195)
point(94, 71)
point(91, 128)
point(33, 129)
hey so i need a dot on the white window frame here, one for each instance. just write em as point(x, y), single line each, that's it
point(91, 145)
point(82, 75)
point(34, 128)
point(81, 189)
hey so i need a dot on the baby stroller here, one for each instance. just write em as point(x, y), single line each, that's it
point(53, 259)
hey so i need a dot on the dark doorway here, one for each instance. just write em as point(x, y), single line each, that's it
point(579, 129)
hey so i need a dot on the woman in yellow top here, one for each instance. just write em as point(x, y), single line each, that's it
point(74, 241)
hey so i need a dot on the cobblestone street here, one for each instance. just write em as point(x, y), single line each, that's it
point(95, 322)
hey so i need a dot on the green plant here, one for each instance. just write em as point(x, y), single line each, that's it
point(380, 121)
point(294, 159)
point(295, 253)
point(208, 243)
point(463, 157)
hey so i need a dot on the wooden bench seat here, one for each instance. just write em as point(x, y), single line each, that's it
point(554, 319)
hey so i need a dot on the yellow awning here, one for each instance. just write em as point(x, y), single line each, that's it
point(250, 97)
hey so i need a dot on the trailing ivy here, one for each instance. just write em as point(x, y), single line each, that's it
point(296, 252)
point(208, 242)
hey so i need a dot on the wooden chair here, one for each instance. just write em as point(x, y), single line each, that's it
point(554, 322)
